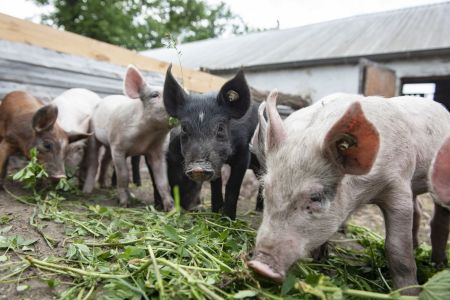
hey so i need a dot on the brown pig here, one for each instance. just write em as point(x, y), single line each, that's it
point(25, 122)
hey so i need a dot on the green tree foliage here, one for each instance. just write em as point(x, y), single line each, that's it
point(143, 24)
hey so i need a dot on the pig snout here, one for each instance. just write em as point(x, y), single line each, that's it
point(200, 171)
point(267, 266)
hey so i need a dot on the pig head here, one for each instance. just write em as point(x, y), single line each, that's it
point(303, 218)
point(26, 123)
point(206, 141)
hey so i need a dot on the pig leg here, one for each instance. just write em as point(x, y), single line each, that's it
point(157, 161)
point(5, 152)
point(157, 200)
point(239, 166)
point(439, 235)
point(82, 170)
point(398, 212)
point(92, 162)
point(106, 160)
point(121, 168)
point(260, 198)
point(216, 195)
point(135, 162)
point(256, 167)
point(416, 221)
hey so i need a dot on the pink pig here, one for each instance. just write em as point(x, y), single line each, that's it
point(440, 186)
point(326, 160)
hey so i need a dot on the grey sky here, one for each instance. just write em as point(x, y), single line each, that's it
point(264, 13)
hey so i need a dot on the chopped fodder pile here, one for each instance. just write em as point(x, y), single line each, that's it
point(139, 253)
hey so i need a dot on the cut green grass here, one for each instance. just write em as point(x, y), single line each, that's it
point(117, 253)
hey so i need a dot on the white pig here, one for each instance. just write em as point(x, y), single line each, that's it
point(440, 186)
point(133, 125)
point(328, 159)
point(75, 109)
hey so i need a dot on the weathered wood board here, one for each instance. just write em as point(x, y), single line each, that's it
point(21, 31)
point(47, 73)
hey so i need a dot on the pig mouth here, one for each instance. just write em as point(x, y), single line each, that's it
point(200, 171)
point(265, 265)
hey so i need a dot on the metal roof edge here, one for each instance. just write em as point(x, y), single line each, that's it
point(331, 61)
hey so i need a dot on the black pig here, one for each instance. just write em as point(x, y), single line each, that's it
point(216, 129)
point(189, 189)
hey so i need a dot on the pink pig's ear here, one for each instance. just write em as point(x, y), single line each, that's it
point(353, 142)
point(133, 83)
point(440, 173)
point(276, 133)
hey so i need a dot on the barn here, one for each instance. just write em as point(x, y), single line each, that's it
point(404, 51)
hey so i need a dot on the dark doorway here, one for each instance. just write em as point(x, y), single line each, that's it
point(441, 87)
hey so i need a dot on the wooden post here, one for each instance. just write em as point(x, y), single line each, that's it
point(17, 30)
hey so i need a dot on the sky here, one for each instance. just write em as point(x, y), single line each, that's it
point(263, 13)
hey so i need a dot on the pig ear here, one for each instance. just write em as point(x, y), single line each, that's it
point(440, 173)
point(258, 140)
point(353, 142)
point(235, 96)
point(76, 136)
point(134, 83)
point(276, 133)
point(44, 118)
point(174, 95)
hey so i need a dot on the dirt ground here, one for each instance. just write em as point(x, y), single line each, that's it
point(15, 214)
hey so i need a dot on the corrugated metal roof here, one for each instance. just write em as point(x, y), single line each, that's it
point(411, 30)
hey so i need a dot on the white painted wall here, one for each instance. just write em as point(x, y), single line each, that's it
point(316, 82)
point(420, 68)
point(311, 83)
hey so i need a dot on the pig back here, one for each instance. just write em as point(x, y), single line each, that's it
point(429, 122)
point(410, 129)
point(115, 115)
point(75, 108)
point(16, 110)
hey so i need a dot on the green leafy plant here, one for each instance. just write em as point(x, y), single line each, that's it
point(33, 177)
point(143, 24)
point(32, 174)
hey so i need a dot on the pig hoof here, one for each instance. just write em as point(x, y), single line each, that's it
point(440, 265)
point(321, 253)
point(265, 270)
point(168, 206)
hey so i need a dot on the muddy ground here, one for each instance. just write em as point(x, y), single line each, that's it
point(15, 214)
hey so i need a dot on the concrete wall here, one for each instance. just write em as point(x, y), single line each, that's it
point(316, 82)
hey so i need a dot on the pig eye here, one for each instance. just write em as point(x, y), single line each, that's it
point(184, 129)
point(317, 197)
point(220, 131)
point(154, 94)
point(48, 146)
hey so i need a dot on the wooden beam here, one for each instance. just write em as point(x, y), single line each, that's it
point(22, 31)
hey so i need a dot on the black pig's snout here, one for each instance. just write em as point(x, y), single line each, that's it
point(200, 171)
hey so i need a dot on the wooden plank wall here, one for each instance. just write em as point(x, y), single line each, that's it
point(47, 73)
point(21, 31)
